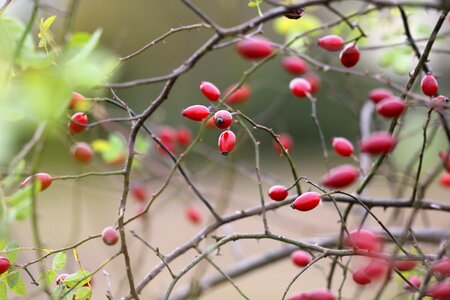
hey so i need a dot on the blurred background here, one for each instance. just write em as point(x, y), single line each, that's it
point(72, 210)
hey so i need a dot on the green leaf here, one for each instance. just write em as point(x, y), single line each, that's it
point(12, 251)
point(83, 293)
point(20, 212)
point(142, 144)
point(48, 277)
point(3, 291)
point(58, 291)
point(19, 287)
point(87, 49)
point(59, 261)
point(12, 277)
point(73, 279)
point(14, 175)
point(45, 35)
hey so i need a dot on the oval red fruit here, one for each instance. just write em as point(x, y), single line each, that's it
point(376, 95)
point(300, 87)
point(254, 48)
point(278, 192)
point(378, 143)
point(44, 179)
point(4, 265)
point(294, 65)
point(319, 294)
point(222, 119)
point(405, 265)
point(75, 100)
point(110, 236)
point(227, 141)
point(340, 176)
point(429, 85)
point(240, 95)
point(377, 268)
point(363, 239)
point(138, 191)
point(82, 152)
point(306, 201)
point(301, 258)
point(440, 290)
point(342, 146)
point(415, 280)
point(444, 180)
point(360, 277)
point(184, 137)
point(78, 123)
point(167, 136)
point(445, 157)
point(442, 267)
point(349, 56)
point(331, 43)
point(196, 112)
point(193, 215)
point(314, 81)
point(210, 91)
point(390, 107)
point(286, 141)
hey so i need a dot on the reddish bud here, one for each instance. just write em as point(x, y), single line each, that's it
point(227, 141)
point(360, 277)
point(349, 56)
point(78, 123)
point(294, 65)
point(415, 280)
point(342, 146)
point(193, 215)
point(44, 180)
point(331, 43)
point(378, 143)
point(75, 100)
point(110, 236)
point(254, 48)
point(442, 267)
point(196, 112)
point(363, 240)
point(376, 95)
point(300, 87)
point(286, 141)
point(238, 96)
point(210, 91)
point(429, 85)
point(4, 265)
point(278, 192)
point(390, 107)
point(444, 180)
point(82, 152)
point(340, 176)
point(306, 201)
point(60, 279)
point(405, 265)
point(222, 119)
point(301, 258)
point(184, 137)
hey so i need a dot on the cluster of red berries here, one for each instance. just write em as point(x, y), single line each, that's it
point(171, 137)
point(349, 55)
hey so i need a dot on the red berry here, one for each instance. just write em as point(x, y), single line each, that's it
point(278, 192)
point(167, 137)
point(222, 119)
point(196, 112)
point(227, 141)
point(238, 96)
point(210, 91)
point(254, 48)
point(75, 100)
point(444, 180)
point(376, 95)
point(440, 290)
point(360, 277)
point(61, 278)
point(363, 239)
point(78, 123)
point(340, 176)
point(193, 215)
point(314, 81)
point(184, 137)
point(377, 143)
point(138, 191)
point(44, 179)
point(82, 152)
point(415, 280)
point(442, 267)
point(300, 87)
point(429, 85)
point(306, 201)
point(405, 265)
point(342, 146)
point(377, 268)
point(4, 265)
point(445, 157)
point(319, 294)
point(331, 43)
point(349, 56)
point(301, 258)
point(440, 103)
point(294, 65)
point(110, 236)
point(286, 141)
point(390, 107)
